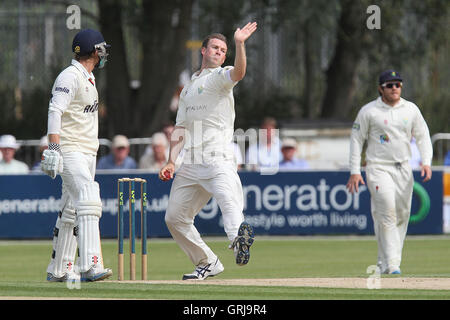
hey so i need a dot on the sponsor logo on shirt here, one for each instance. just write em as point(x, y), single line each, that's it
point(200, 89)
point(384, 138)
point(196, 108)
point(65, 90)
point(356, 126)
point(91, 108)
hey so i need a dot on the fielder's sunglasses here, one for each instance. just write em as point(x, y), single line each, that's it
point(392, 84)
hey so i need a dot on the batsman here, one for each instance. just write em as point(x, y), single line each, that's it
point(205, 127)
point(72, 151)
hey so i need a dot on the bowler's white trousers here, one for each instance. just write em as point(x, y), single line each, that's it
point(189, 195)
point(390, 188)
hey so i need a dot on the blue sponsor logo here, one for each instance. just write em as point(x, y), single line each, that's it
point(60, 89)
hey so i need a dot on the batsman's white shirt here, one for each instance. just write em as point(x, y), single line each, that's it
point(75, 100)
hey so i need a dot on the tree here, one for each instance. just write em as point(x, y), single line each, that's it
point(307, 24)
point(163, 29)
point(352, 39)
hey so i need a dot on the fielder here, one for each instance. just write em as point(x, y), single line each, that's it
point(73, 144)
point(205, 127)
point(388, 124)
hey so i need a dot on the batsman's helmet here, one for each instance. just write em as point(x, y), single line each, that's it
point(88, 40)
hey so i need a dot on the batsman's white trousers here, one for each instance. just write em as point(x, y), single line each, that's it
point(79, 170)
point(188, 196)
point(390, 188)
point(77, 177)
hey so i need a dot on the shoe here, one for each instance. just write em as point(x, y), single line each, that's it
point(382, 269)
point(242, 243)
point(396, 271)
point(95, 273)
point(68, 277)
point(205, 271)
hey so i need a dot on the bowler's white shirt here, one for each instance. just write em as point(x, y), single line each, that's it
point(388, 131)
point(206, 111)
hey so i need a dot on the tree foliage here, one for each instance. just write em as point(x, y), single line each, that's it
point(163, 28)
point(309, 59)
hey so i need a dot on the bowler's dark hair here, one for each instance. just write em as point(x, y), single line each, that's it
point(214, 36)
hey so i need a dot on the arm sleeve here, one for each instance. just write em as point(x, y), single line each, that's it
point(423, 141)
point(63, 92)
point(181, 115)
point(359, 134)
point(221, 79)
point(54, 122)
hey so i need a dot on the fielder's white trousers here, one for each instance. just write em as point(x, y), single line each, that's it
point(390, 188)
point(188, 196)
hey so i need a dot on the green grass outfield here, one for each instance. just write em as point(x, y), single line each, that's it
point(23, 269)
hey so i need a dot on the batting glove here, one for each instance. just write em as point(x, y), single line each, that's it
point(52, 160)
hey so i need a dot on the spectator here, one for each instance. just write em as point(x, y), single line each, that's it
point(9, 165)
point(290, 162)
point(266, 155)
point(119, 157)
point(447, 159)
point(168, 129)
point(156, 159)
point(43, 144)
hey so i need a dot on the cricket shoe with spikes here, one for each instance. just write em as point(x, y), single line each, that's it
point(202, 272)
point(395, 271)
point(70, 276)
point(242, 242)
point(95, 273)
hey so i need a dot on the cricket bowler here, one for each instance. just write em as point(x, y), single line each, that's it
point(205, 127)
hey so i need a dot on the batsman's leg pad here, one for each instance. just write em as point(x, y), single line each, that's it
point(64, 243)
point(89, 202)
point(89, 211)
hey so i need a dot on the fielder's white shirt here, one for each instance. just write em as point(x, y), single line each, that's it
point(73, 110)
point(388, 131)
point(206, 111)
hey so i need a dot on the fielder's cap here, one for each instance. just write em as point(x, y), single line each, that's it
point(9, 141)
point(84, 41)
point(289, 143)
point(159, 139)
point(389, 75)
point(120, 141)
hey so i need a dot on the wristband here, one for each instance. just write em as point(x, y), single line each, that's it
point(54, 147)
